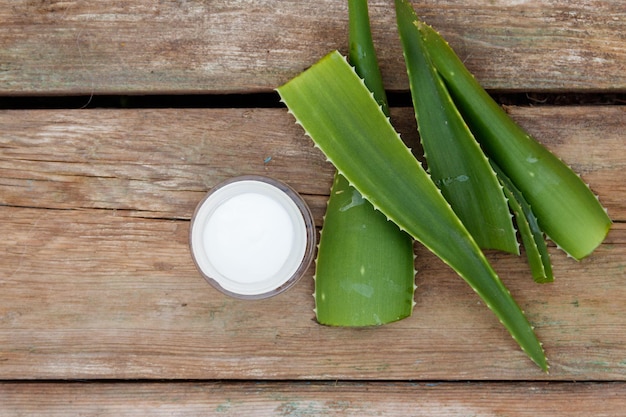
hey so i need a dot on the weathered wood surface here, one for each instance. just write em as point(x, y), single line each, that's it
point(316, 399)
point(158, 163)
point(83, 47)
point(96, 280)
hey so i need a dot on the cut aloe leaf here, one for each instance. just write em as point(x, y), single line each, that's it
point(365, 271)
point(567, 210)
point(362, 54)
point(455, 161)
point(339, 113)
point(532, 236)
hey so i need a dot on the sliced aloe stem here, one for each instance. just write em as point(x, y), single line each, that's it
point(455, 161)
point(365, 265)
point(338, 112)
point(568, 211)
point(362, 54)
point(532, 236)
point(364, 270)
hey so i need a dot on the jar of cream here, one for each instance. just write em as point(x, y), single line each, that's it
point(252, 237)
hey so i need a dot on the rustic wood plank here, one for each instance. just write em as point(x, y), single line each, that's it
point(117, 47)
point(159, 163)
point(327, 399)
point(89, 294)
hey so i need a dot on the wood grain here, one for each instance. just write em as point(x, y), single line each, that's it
point(315, 399)
point(149, 163)
point(92, 295)
point(159, 163)
point(143, 47)
point(96, 280)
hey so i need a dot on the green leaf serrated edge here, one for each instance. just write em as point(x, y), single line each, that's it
point(455, 161)
point(568, 211)
point(362, 54)
point(365, 272)
point(532, 236)
point(339, 113)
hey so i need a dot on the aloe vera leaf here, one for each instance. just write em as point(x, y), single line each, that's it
point(362, 54)
point(338, 112)
point(365, 271)
point(568, 211)
point(532, 236)
point(455, 161)
point(365, 265)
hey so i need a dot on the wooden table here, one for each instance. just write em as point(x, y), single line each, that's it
point(102, 311)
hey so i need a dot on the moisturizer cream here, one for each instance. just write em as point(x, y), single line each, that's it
point(252, 237)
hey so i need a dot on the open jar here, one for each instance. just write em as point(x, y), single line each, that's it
point(252, 237)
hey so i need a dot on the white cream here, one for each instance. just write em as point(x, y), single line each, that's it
point(250, 237)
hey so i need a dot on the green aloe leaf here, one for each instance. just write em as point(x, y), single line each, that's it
point(455, 161)
point(338, 112)
point(365, 265)
point(362, 54)
point(532, 236)
point(567, 210)
point(364, 272)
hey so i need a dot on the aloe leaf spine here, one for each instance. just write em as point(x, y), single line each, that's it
point(531, 234)
point(365, 271)
point(362, 54)
point(338, 112)
point(455, 161)
point(568, 211)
